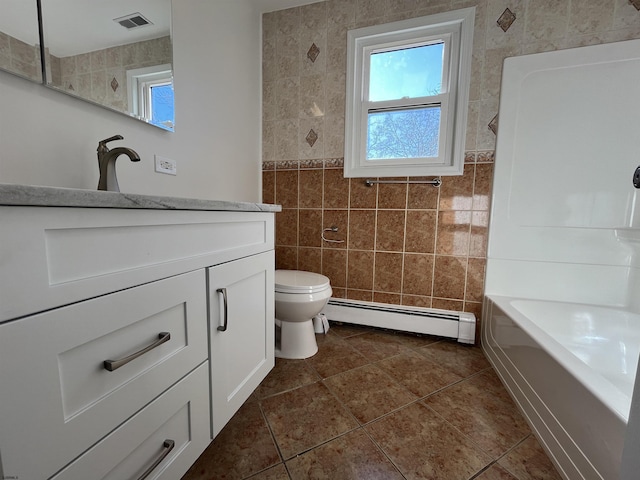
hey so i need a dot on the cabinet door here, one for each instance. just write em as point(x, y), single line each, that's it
point(242, 338)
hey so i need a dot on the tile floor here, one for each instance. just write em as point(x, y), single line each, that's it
point(375, 404)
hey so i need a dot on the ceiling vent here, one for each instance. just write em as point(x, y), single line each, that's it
point(133, 20)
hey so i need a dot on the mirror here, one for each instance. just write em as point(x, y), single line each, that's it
point(19, 39)
point(116, 54)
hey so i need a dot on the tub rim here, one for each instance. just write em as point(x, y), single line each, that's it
point(617, 401)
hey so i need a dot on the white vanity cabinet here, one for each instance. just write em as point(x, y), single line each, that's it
point(241, 306)
point(111, 361)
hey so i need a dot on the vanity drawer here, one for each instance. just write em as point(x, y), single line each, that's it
point(58, 398)
point(53, 257)
point(173, 428)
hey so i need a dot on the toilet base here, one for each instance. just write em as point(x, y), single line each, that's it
point(297, 340)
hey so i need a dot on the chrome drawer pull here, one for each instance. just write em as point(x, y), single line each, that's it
point(223, 291)
point(112, 365)
point(167, 446)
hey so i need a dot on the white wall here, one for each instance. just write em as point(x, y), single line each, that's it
point(48, 138)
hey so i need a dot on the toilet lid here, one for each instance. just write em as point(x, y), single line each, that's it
point(297, 281)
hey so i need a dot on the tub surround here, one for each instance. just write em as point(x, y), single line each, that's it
point(40, 196)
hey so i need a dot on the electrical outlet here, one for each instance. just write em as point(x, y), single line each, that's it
point(166, 165)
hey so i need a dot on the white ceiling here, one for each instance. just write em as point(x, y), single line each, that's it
point(78, 26)
point(20, 20)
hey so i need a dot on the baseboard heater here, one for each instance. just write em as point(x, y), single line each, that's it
point(431, 321)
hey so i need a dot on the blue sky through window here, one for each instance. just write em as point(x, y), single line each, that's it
point(163, 106)
point(407, 72)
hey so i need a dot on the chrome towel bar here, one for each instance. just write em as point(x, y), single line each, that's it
point(436, 182)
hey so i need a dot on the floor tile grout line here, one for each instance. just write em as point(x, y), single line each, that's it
point(382, 450)
point(511, 450)
point(333, 326)
point(484, 469)
point(342, 404)
point(472, 441)
point(286, 467)
point(362, 425)
point(384, 372)
point(323, 442)
point(255, 474)
point(271, 395)
point(480, 448)
point(497, 460)
point(273, 437)
point(391, 412)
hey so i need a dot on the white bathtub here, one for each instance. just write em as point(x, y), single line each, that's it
point(571, 369)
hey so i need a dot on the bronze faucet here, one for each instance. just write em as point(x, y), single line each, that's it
point(107, 163)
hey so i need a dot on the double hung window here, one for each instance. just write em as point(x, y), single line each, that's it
point(407, 95)
point(151, 95)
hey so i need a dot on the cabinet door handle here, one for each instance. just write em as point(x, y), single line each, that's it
point(112, 365)
point(167, 446)
point(223, 327)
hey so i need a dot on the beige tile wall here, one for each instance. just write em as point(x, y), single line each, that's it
point(101, 76)
point(19, 57)
point(414, 245)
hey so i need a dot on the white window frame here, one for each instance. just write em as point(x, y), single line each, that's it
point(455, 30)
point(139, 83)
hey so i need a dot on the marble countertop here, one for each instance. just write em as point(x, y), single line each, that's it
point(37, 196)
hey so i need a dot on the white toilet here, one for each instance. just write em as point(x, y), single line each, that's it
point(299, 296)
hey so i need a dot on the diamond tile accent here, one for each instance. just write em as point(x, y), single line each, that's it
point(493, 125)
point(114, 84)
point(635, 3)
point(311, 137)
point(313, 52)
point(506, 19)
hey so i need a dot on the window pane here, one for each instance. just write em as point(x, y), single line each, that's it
point(403, 133)
point(406, 73)
point(162, 111)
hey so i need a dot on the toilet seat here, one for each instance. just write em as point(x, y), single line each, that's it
point(296, 281)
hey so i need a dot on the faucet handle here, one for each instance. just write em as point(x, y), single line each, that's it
point(102, 143)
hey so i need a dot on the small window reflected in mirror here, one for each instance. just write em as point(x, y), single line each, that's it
point(151, 95)
point(91, 48)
